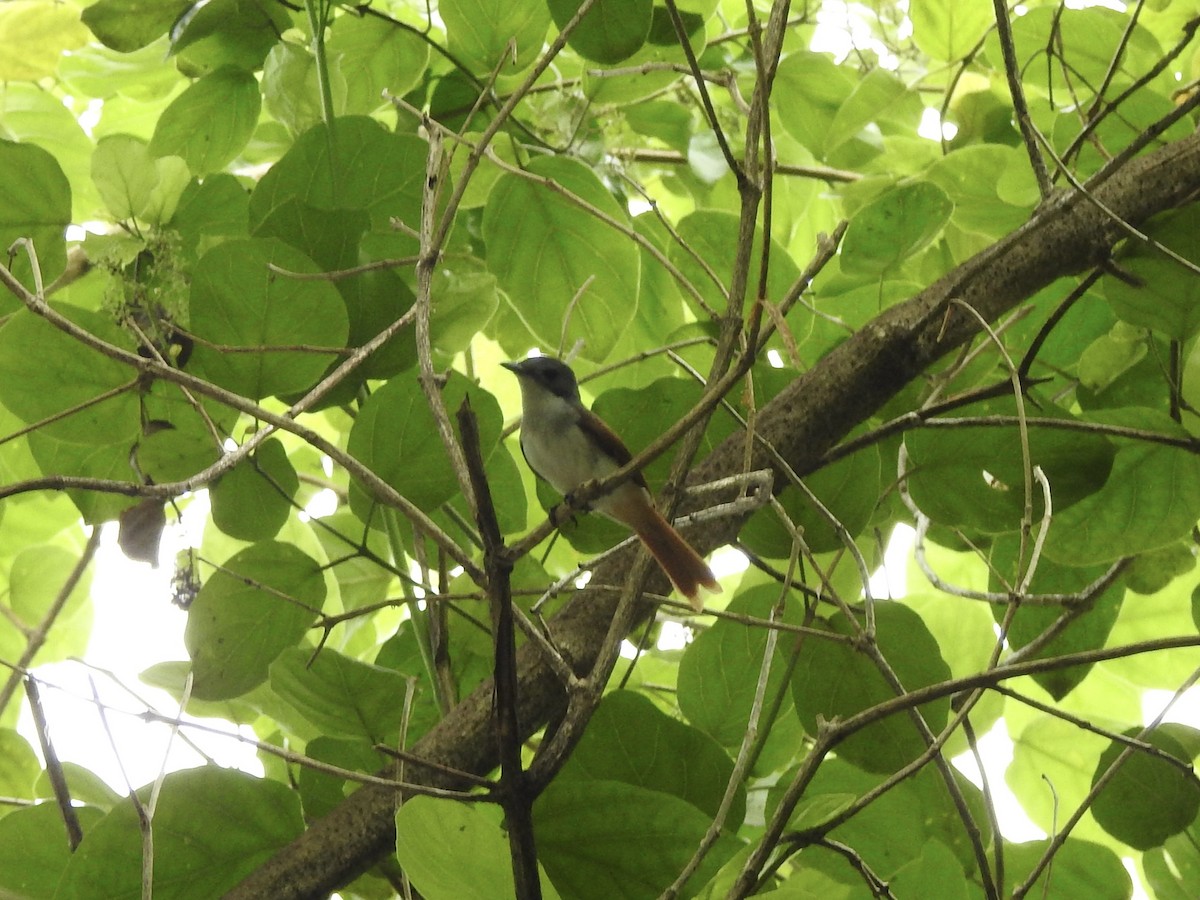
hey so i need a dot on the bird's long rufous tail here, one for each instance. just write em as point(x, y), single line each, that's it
point(684, 566)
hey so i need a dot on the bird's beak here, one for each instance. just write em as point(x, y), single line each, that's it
point(514, 367)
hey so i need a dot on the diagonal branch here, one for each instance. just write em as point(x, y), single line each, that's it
point(1067, 235)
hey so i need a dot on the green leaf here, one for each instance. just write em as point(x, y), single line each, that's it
point(611, 31)
point(30, 115)
point(343, 697)
point(135, 185)
point(872, 98)
point(1089, 631)
point(1049, 749)
point(377, 299)
point(98, 71)
point(434, 837)
point(173, 454)
point(936, 872)
point(1088, 43)
point(1148, 800)
point(874, 831)
point(329, 237)
point(373, 55)
point(484, 33)
point(604, 839)
point(711, 236)
point(465, 298)
point(212, 828)
point(972, 178)
point(321, 791)
point(1150, 292)
point(253, 500)
point(37, 576)
point(18, 765)
point(258, 604)
point(1172, 872)
point(973, 477)
point(228, 33)
point(45, 373)
point(35, 35)
point(1110, 356)
point(292, 87)
point(86, 787)
point(1151, 499)
point(1080, 869)
point(663, 120)
point(544, 251)
point(371, 169)
point(209, 123)
point(948, 29)
point(396, 437)
point(35, 203)
point(33, 849)
point(128, 25)
point(849, 488)
point(816, 88)
point(833, 680)
point(219, 205)
point(720, 668)
point(1152, 571)
point(237, 301)
point(895, 227)
point(629, 740)
point(109, 461)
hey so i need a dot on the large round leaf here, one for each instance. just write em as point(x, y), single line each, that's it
point(612, 30)
point(605, 839)
point(238, 302)
point(212, 827)
point(210, 122)
point(396, 437)
point(711, 235)
point(353, 164)
point(133, 183)
point(434, 836)
point(1151, 292)
point(343, 697)
point(45, 373)
point(545, 250)
point(1151, 499)
point(632, 741)
point(833, 680)
point(485, 32)
point(254, 607)
point(894, 227)
point(374, 55)
point(1148, 799)
point(35, 203)
point(253, 501)
point(718, 678)
point(1089, 631)
point(973, 477)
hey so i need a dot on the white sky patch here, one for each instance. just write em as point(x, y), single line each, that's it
point(843, 28)
point(933, 128)
point(135, 626)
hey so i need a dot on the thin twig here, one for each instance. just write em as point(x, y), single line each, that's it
point(54, 769)
point(1020, 108)
point(37, 638)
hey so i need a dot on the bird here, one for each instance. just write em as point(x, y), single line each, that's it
point(567, 445)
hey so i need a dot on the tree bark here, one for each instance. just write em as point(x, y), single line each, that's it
point(1068, 234)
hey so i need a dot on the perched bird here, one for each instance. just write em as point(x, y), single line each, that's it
point(567, 444)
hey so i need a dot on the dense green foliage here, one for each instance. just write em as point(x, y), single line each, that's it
point(481, 187)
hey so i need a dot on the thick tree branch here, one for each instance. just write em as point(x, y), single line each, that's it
point(1067, 235)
